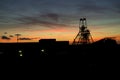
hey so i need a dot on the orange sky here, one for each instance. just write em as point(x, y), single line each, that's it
point(60, 34)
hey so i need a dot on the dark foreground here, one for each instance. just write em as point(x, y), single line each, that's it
point(68, 59)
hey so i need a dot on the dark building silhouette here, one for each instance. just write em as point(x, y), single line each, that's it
point(97, 57)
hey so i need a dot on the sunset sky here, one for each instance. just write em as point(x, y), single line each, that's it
point(37, 19)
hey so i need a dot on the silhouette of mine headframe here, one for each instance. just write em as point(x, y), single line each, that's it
point(83, 36)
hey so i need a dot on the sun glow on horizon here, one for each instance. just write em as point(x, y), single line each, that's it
point(60, 33)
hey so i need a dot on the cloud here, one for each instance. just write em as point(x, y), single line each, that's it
point(5, 32)
point(52, 16)
point(25, 39)
point(11, 36)
point(5, 38)
point(35, 20)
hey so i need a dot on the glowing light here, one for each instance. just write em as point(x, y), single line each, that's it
point(21, 55)
point(20, 51)
point(42, 50)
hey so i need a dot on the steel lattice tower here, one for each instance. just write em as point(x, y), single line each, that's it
point(84, 35)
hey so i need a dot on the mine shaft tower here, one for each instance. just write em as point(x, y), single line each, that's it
point(84, 35)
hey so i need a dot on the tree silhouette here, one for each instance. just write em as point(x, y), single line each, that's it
point(17, 36)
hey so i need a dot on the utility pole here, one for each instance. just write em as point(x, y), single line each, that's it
point(17, 36)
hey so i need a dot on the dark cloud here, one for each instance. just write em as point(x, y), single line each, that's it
point(5, 32)
point(51, 16)
point(25, 38)
point(5, 38)
point(27, 20)
point(11, 36)
point(32, 20)
point(49, 9)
